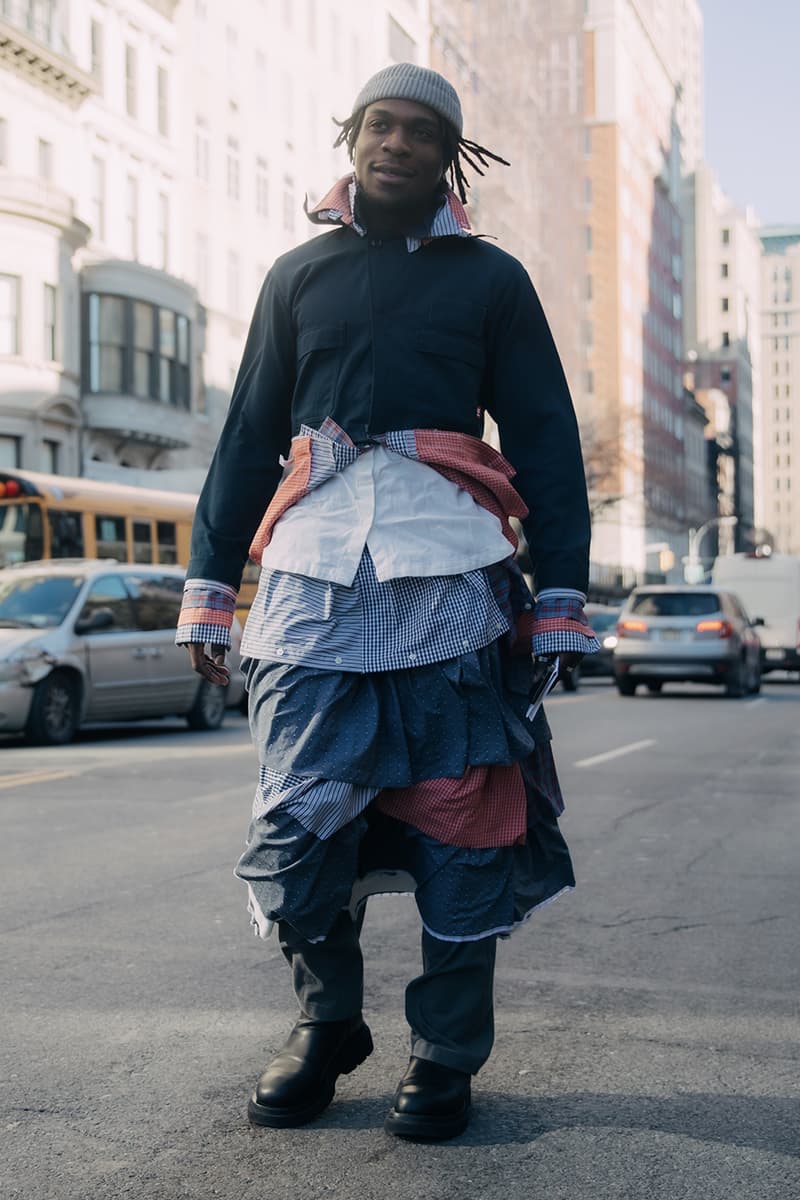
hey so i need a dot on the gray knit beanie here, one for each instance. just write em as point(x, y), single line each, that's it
point(407, 81)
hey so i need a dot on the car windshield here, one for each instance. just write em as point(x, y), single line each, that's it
point(675, 604)
point(37, 601)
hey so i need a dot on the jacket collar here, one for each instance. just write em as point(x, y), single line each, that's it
point(338, 207)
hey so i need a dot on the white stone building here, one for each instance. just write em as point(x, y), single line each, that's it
point(154, 157)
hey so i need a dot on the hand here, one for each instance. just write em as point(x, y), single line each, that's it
point(211, 667)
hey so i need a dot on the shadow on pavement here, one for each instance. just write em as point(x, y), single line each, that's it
point(759, 1122)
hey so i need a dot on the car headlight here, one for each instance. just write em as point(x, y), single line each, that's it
point(610, 642)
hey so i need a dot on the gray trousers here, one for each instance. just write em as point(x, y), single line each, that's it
point(449, 1007)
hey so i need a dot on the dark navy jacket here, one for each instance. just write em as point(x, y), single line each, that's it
point(381, 339)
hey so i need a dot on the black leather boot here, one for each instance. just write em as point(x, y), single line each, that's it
point(431, 1104)
point(300, 1082)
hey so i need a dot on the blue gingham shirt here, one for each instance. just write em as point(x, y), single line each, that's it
point(371, 626)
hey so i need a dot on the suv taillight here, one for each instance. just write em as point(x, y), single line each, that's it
point(722, 629)
point(629, 628)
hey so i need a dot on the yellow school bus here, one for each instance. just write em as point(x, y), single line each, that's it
point(55, 516)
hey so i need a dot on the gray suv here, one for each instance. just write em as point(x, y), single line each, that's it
point(686, 634)
point(88, 641)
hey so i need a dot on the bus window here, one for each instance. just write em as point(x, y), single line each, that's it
point(66, 534)
point(142, 542)
point(167, 544)
point(21, 534)
point(110, 535)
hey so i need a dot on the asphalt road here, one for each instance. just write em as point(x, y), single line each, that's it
point(648, 1031)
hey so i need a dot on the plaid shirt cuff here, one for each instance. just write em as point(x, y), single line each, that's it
point(207, 613)
point(560, 625)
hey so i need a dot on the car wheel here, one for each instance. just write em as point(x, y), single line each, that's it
point(735, 684)
point(655, 688)
point(571, 679)
point(208, 709)
point(625, 687)
point(55, 713)
point(755, 682)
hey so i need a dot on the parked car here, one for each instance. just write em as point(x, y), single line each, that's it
point(84, 641)
point(686, 634)
point(603, 620)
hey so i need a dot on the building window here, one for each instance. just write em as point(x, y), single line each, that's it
point(588, 287)
point(288, 205)
point(9, 314)
point(50, 325)
point(162, 231)
point(132, 215)
point(45, 159)
point(589, 381)
point(162, 85)
point(52, 455)
point(106, 343)
point(234, 283)
point(334, 41)
point(138, 349)
point(726, 338)
point(723, 270)
point(97, 53)
point(98, 197)
point(201, 263)
point(233, 180)
point(201, 151)
point(402, 47)
point(726, 237)
point(588, 237)
point(262, 188)
point(130, 81)
point(10, 452)
point(144, 341)
point(587, 190)
point(725, 304)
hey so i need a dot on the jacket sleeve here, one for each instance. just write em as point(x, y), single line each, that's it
point(245, 470)
point(527, 394)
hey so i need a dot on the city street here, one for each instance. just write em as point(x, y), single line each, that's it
point(648, 1034)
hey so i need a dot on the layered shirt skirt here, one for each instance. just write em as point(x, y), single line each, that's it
point(388, 684)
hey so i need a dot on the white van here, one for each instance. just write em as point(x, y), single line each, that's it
point(769, 587)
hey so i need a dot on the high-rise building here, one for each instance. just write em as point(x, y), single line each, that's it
point(519, 72)
point(721, 326)
point(642, 80)
point(778, 496)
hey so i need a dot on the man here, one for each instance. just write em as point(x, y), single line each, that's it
point(389, 646)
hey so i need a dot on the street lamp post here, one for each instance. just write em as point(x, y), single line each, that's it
point(693, 571)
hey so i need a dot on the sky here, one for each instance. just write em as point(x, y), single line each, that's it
point(752, 103)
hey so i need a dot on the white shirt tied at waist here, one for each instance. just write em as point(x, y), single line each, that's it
point(413, 520)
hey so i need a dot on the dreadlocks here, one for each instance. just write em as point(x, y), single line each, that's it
point(456, 151)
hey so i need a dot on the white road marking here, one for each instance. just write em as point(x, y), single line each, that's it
point(620, 750)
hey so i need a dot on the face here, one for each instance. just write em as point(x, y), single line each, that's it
point(398, 154)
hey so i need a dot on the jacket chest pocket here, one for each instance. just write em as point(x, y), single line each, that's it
point(318, 339)
point(455, 333)
point(320, 350)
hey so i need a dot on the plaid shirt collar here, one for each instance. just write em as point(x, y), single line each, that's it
point(339, 205)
